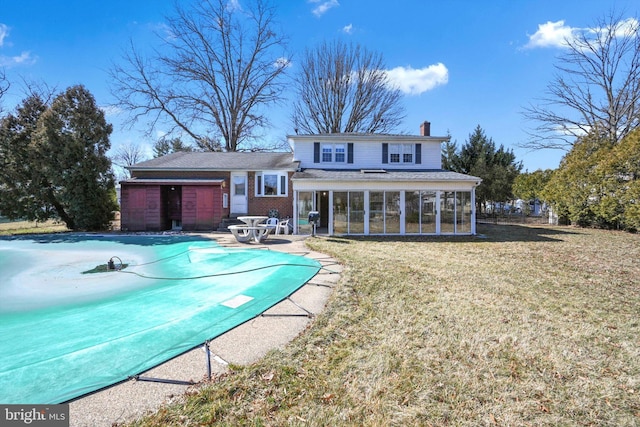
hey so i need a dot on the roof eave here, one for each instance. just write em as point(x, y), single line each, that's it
point(182, 169)
point(368, 137)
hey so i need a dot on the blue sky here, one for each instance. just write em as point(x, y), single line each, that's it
point(460, 63)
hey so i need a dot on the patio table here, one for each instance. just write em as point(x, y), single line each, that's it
point(251, 230)
point(253, 220)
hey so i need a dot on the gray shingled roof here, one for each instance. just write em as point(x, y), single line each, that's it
point(220, 161)
point(387, 175)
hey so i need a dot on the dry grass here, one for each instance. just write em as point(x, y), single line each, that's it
point(522, 326)
point(29, 227)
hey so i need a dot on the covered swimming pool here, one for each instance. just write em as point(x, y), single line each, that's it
point(70, 326)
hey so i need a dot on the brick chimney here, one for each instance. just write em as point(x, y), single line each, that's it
point(425, 129)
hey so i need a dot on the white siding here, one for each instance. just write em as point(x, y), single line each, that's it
point(303, 152)
point(368, 155)
point(431, 156)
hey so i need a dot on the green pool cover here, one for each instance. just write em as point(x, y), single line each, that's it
point(65, 332)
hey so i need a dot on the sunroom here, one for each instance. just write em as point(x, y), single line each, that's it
point(380, 202)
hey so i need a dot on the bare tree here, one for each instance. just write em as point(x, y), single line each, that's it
point(596, 87)
point(127, 155)
point(220, 69)
point(4, 86)
point(345, 88)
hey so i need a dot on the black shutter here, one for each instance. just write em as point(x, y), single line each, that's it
point(350, 152)
point(316, 152)
point(418, 154)
point(385, 153)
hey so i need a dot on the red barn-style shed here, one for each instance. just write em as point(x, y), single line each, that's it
point(155, 205)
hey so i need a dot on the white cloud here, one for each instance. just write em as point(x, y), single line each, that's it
point(324, 6)
point(625, 28)
point(233, 5)
point(282, 62)
point(416, 81)
point(162, 30)
point(551, 34)
point(111, 110)
point(348, 29)
point(4, 32)
point(556, 34)
point(24, 58)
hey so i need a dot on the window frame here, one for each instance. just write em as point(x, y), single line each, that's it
point(401, 153)
point(332, 151)
point(326, 150)
point(281, 183)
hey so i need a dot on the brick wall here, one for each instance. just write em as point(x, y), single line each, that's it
point(263, 204)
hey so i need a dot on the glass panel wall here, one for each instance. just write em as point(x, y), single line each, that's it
point(356, 212)
point(340, 212)
point(384, 212)
point(376, 212)
point(463, 212)
point(447, 211)
point(392, 212)
point(429, 212)
point(412, 212)
point(305, 205)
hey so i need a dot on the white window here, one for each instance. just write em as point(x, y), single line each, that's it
point(400, 153)
point(327, 153)
point(340, 153)
point(407, 153)
point(271, 184)
point(334, 153)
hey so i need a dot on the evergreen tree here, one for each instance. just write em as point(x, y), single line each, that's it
point(165, 146)
point(20, 190)
point(58, 162)
point(576, 185)
point(622, 170)
point(598, 183)
point(450, 156)
point(529, 186)
point(497, 167)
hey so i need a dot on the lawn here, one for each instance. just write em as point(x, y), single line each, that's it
point(28, 227)
point(521, 326)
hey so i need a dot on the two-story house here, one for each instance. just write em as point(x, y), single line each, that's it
point(381, 184)
point(361, 184)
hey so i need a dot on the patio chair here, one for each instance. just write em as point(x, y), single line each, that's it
point(283, 225)
point(272, 224)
